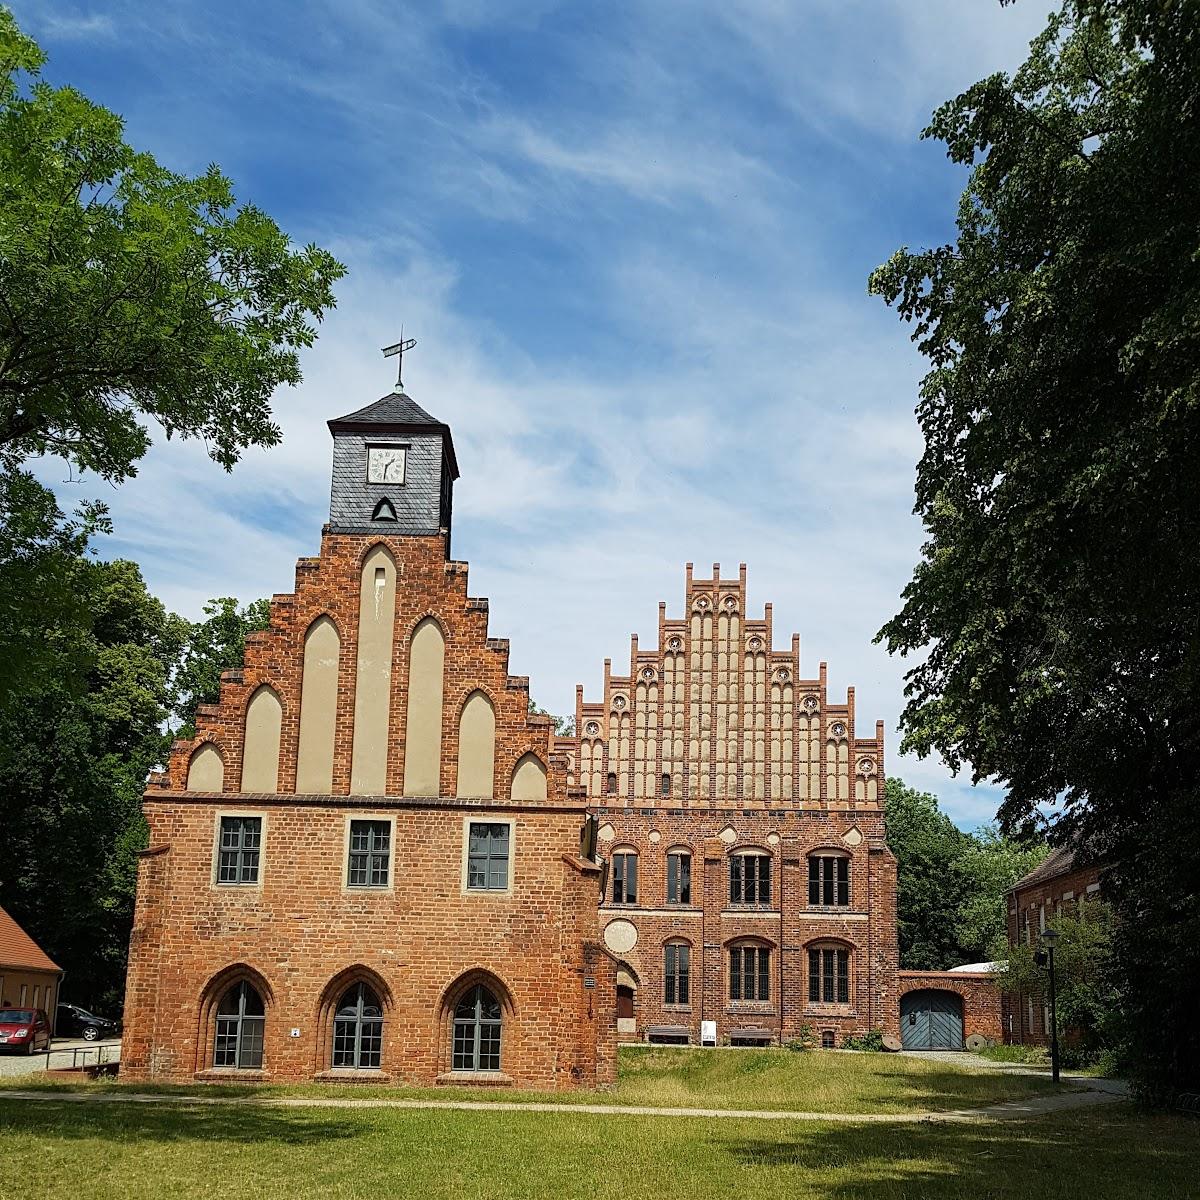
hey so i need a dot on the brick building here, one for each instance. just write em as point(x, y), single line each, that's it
point(366, 864)
point(29, 977)
point(1064, 878)
point(748, 882)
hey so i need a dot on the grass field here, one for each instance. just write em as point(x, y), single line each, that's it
point(765, 1079)
point(89, 1152)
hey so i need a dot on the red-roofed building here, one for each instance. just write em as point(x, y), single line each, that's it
point(28, 975)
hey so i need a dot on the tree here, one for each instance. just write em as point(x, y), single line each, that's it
point(990, 864)
point(72, 777)
point(930, 888)
point(43, 610)
point(128, 291)
point(1057, 603)
point(951, 887)
point(563, 726)
point(213, 645)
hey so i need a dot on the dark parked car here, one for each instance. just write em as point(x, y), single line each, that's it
point(26, 1030)
point(74, 1021)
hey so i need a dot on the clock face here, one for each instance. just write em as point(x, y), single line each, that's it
point(385, 464)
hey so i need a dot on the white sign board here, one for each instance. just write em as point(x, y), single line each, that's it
point(708, 1033)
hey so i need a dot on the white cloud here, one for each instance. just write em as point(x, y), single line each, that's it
point(639, 302)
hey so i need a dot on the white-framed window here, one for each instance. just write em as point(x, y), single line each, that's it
point(488, 854)
point(749, 972)
point(828, 880)
point(623, 877)
point(369, 852)
point(677, 973)
point(239, 840)
point(828, 975)
point(750, 878)
point(679, 876)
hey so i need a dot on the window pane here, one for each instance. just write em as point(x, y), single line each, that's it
point(843, 977)
point(685, 879)
point(814, 975)
point(631, 880)
point(814, 881)
point(735, 974)
point(843, 896)
point(764, 879)
point(735, 880)
point(672, 878)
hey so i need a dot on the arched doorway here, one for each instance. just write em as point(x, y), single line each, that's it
point(931, 1020)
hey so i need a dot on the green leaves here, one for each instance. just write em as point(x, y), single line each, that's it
point(131, 294)
point(951, 886)
point(1057, 604)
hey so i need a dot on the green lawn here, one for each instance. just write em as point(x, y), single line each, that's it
point(56, 1149)
point(747, 1079)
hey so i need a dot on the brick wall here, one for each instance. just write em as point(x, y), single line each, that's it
point(981, 1005)
point(1031, 907)
point(301, 935)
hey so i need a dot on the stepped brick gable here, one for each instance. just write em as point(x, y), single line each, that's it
point(749, 883)
point(366, 864)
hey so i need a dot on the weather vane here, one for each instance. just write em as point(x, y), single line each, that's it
point(398, 350)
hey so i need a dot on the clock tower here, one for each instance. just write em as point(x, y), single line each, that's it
point(393, 471)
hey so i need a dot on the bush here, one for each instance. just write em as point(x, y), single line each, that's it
point(805, 1041)
point(871, 1041)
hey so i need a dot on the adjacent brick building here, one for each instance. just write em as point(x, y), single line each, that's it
point(29, 977)
point(1063, 879)
point(749, 890)
point(366, 864)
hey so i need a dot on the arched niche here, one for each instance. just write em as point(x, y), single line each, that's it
point(260, 750)
point(477, 747)
point(529, 779)
point(373, 678)
point(206, 770)
point(318, 707)
point(423, 721)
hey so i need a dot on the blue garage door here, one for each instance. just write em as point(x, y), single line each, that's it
point(931, 1020)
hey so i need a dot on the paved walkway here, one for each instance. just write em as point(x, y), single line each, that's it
point(64, 1053)
point(1032, 1107)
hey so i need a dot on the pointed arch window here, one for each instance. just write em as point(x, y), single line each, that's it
point(241, 1022)
point(358, 1029)
point(477, 1028)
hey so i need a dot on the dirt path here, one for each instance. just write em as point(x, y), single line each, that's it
point(1032, 1107)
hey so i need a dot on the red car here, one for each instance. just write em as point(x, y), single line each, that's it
point(24, 1029)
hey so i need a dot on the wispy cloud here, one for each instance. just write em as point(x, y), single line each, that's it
point(632, 243)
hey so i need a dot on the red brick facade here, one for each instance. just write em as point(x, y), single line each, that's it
point(301, 935)
point(978, 993)
point(1033, 904)
point(716, 746)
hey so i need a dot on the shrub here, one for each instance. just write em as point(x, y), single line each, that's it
point(871, 1041)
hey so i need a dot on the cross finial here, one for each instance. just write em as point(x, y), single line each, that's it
point(398, 350)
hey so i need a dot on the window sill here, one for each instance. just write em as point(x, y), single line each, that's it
point(352, 1075)
point(473, 1079)
point(232, 1075)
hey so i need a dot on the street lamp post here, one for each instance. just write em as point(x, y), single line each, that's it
point(1049, 937)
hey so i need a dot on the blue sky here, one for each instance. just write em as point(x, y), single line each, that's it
point(632, 242)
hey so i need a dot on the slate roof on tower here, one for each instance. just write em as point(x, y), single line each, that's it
point(398, 413)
